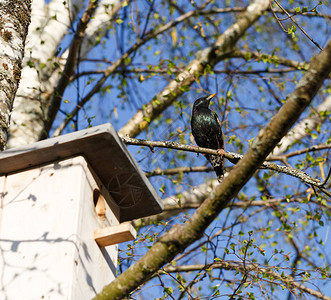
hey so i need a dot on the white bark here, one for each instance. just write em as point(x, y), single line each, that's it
point(302, 128)
point(14, 20)
point(39, 81)
point(100, 23)
point(46, 33)
point(173, 205)
point(194, 196)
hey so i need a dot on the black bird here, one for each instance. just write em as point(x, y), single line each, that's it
point(207, 132)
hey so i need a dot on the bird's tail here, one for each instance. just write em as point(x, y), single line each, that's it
point(218, 163)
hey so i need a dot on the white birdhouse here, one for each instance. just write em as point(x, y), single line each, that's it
point(65, 205)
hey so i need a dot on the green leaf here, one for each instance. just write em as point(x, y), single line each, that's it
point(168, 290)
point(184, 88)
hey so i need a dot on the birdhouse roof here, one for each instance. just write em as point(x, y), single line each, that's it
point(106, 154)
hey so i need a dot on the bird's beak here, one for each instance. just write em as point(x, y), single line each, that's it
point(210, 97)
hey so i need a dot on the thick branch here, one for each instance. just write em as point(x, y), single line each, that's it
point(180, 237)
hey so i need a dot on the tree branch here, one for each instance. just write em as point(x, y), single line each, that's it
point(174, 171)
point(192, 199)
point(299, 152)
point(233, 157)
point(27, 120)
point(303, 127)
point(221, 49)
point(137, 70)
point(284, 157)
point(114, 67)
point(272, 58)
point(249, 267)
point(179, 237)
point(39, 81)
point(310, 14)
point(69, 68)
point(295, 22)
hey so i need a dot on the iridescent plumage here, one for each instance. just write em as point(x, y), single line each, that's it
point(207, 132)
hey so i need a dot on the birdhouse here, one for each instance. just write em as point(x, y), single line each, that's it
point(66, 203)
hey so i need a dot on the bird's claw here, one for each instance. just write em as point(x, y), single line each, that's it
point(220, 152)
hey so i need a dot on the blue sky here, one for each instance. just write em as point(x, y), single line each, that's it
point(237, 93)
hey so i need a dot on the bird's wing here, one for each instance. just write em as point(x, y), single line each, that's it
point(220, 138)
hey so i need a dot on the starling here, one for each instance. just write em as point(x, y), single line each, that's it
point(207, 132)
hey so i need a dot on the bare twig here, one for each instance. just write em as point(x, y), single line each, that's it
point(299, 152)
point(178, 70)
point(111, 69)
point(327, 178)
point(178, 170)
point(250, 267)
point(233, 157)
point(271, 58)
point(245, 271)
point(277, 19)
point(69, 66)
point(294, 21)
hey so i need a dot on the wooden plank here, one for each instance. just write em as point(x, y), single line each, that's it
point(115, 234)
point(109, 159)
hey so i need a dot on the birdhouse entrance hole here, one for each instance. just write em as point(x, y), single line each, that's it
point(99, 203)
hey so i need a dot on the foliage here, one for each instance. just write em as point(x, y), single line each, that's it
point(272, 240)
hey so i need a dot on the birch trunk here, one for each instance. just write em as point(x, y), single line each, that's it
point(14, 23)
